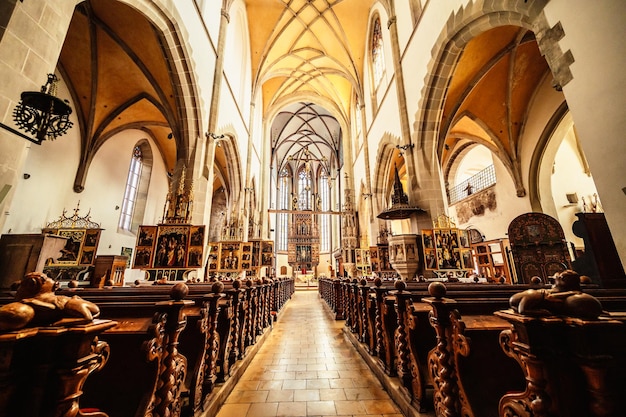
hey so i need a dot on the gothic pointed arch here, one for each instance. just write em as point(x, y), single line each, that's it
point(126, 68)
point(520, 25)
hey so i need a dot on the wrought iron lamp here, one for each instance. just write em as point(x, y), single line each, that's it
point(42, 114)
point(405, 147)
point(214, 136)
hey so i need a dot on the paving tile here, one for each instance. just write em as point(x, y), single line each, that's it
point(306, 395)
point(332, 394)
point(233, 410)
point(380, 406)
point(262, 410)
point(292, 409)
point(349, 407)
point(321, 408)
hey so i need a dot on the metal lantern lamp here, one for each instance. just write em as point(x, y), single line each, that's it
point(42, 114)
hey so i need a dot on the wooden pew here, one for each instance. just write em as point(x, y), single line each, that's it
point(43, 369)
point(468, 369)
point(147, 372)
point(402, 340)
point(191, 335)
point(220, 327)
point(573, 366)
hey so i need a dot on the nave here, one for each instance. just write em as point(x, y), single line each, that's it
point(306, 367)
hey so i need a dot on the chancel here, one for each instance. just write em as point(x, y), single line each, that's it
point(312, 208)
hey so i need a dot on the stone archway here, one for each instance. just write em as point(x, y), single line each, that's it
point(461, 28)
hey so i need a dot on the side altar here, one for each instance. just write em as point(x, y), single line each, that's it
point(170, 250)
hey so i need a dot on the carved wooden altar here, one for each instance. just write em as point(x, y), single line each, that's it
point(446, 248)
point(538, 246)
point(303, 242)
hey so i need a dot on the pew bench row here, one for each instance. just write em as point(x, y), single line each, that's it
point(471, 355)
point(166, 350)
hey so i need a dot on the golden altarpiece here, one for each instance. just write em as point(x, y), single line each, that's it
point(171, 249)
point(303, 242)
point(65, 250)
point(231, 255)
point(447, 250)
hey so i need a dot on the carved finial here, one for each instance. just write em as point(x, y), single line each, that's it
point(179, 291)
point(437, 289)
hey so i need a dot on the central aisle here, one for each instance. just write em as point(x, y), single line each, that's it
point(307, 368)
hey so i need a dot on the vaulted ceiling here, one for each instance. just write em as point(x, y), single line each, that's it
point(308, 58)
point(489, 95)
point(309, 47)
point(313, 50)
point(119, 74)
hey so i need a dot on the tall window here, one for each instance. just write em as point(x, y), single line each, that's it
point(324, 191)
point(378, 56)
point(136, 191)
point(132, 185)
point(283, 204)
point(304, 189)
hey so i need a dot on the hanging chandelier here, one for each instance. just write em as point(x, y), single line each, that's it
point(42, 114)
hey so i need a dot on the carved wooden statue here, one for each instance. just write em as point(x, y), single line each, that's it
point(565, 298)
point(37, 305)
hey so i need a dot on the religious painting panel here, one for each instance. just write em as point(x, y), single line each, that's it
point(196, 236)
point(87, 256)
point(144, 248)
point(171, 246)
point(195, 257)
point(427, 239)
point(430, 259)
point(145, 236)
point(196, 247)
point(256, 254)
point(128, 252)
point(267, 253)
point(464, 239)
point(230, 256)
point(91, 238)
point(70, 254)
point(143, 257)
point(213, 258)
point(468, 259)
point(246, 256)
point(90, 245)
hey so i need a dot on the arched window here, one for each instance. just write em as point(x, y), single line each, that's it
point(378, 56)
point(136, 191)
point(283, 204)
point(324, 192)
point(304, 189)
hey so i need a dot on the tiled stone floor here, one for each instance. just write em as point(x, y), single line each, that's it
point(307, 368)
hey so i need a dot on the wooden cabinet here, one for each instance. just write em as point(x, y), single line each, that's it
point(109, 267)
point(491, 260)
point(538, 247)
point(600, 260)
point(23, 253)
